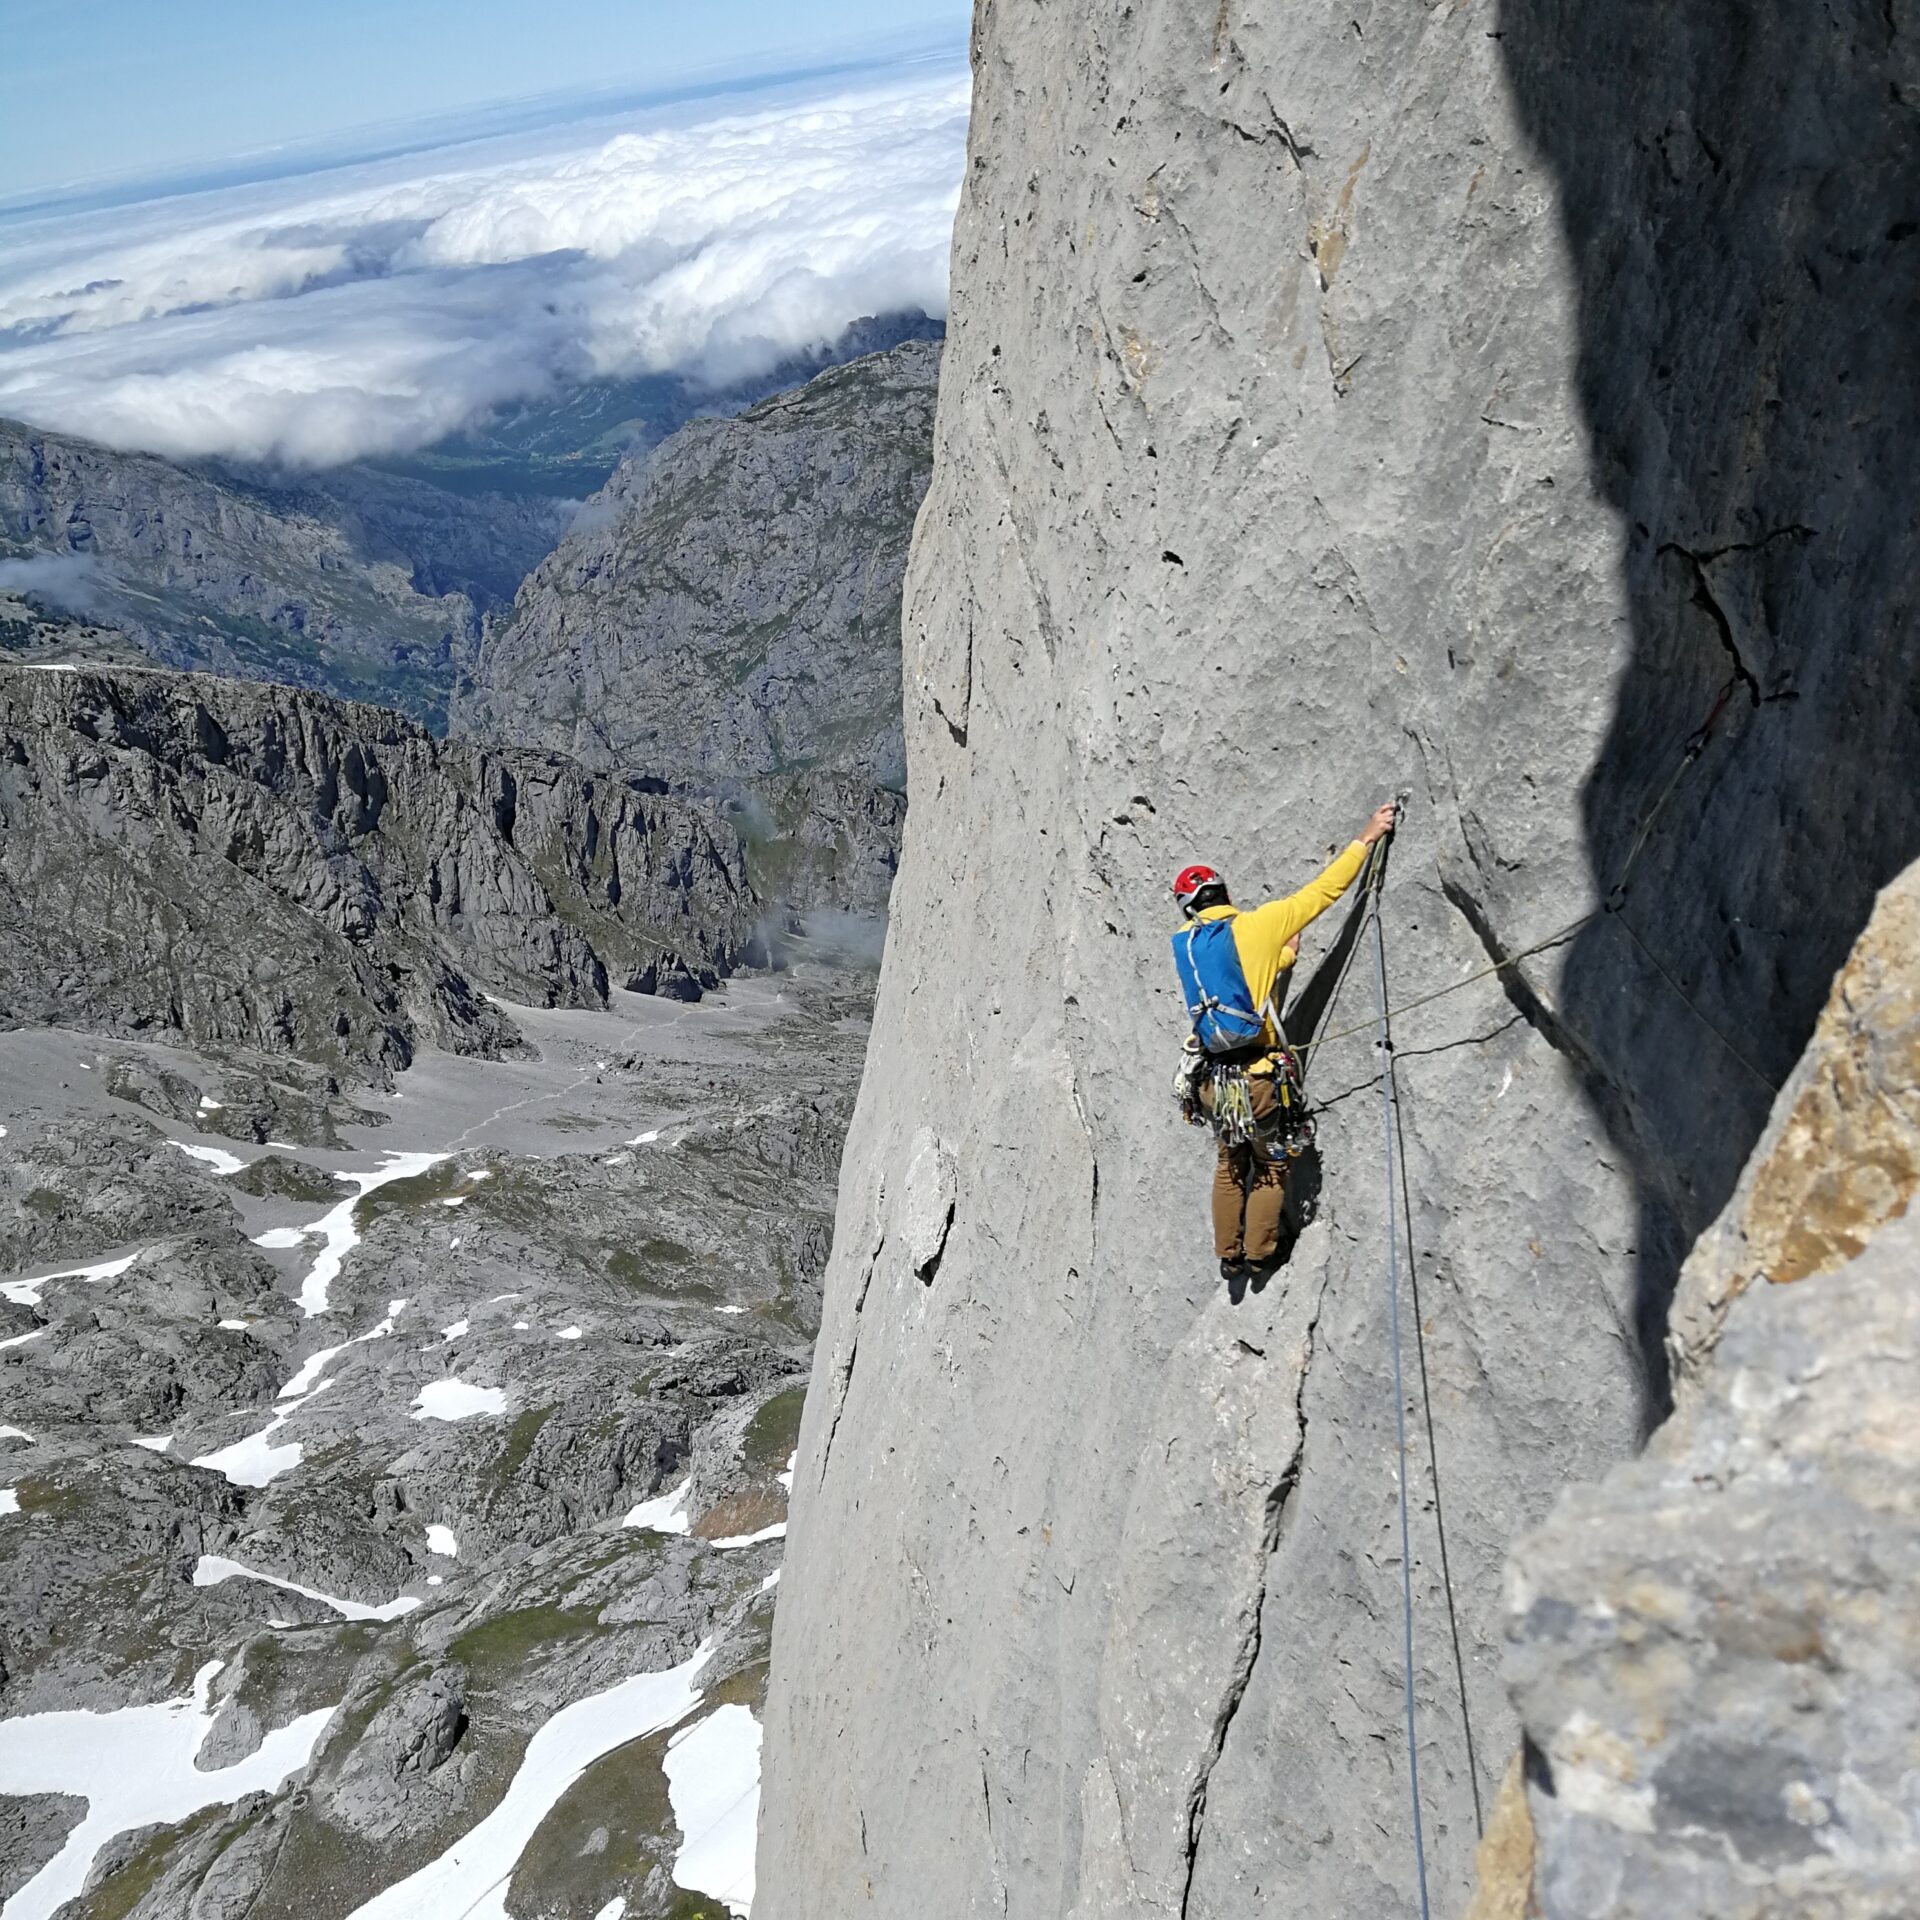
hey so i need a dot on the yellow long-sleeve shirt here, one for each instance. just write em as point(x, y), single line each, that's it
point(1261, 934)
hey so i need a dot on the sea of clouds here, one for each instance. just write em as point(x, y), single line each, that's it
point(377, 308)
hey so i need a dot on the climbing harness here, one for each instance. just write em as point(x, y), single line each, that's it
point(1219, 1093)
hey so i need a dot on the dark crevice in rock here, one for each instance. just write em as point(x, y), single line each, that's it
point(986, 1802)
point(1242, 1673)
point(930, 1266)
point(1533, 1008)
point(1708, 602)
point(844, 1381)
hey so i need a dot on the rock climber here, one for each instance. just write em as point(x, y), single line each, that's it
point(1236, 1072)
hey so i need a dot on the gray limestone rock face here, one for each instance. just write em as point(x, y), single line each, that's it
point(1713, 1651)
point(728, 605)
point(1716, 1651)
point(255, 866)
point(33, 1828)
point(1490, 405)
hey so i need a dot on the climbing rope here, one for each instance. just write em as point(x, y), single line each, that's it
point(1390, 1114)
point(1308, 1048)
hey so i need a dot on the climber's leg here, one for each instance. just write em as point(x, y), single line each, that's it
point(1266, 1205)
point(1229, 1201)
point(1266, 1185)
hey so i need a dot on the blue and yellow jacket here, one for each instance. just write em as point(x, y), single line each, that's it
point(1264, 937)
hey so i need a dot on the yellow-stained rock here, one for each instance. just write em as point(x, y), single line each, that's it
point(1841, 1154)
point(1503, 1865)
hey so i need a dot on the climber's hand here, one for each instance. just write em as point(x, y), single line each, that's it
point(1379, 826)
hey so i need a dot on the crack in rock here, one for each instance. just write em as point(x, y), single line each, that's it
point(1242, 1673)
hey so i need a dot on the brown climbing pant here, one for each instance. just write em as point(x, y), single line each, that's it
point(1249, 1189)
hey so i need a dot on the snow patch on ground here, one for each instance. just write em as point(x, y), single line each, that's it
point(211, 1569)
point(315, 1364)
point(455, 1329)
point(134, 1768)
point(254, 1461)
point(26, 1293)
point(335, 1228)
point(19, 1340)
point(9, 1500)
point(664, 1513)
point(568, 1333)
point(470, 1878)
point(153, 1442)
point(457, 1400)
point(218, 1158)
point(778, 1531)
point(440, 1540)
point(16, 1433)
point(713, 1786)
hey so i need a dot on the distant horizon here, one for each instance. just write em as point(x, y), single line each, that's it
point(390, 138)
point(219, 92)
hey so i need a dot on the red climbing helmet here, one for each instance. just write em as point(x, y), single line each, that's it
point(1190, 881)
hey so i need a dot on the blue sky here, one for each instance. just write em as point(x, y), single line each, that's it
point(317, 309)
point(144, 88)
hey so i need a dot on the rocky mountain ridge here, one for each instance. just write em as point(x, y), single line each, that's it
point(727, 606)
point(366, 585)
point(369, 581)
point(1497, 411)
point(261, 866)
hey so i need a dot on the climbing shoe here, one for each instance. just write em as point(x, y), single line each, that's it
point(1232, 1270)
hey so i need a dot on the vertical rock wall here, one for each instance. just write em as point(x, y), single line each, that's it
point(1462, 399)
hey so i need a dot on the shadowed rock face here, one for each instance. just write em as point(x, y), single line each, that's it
point(1415, 401)
point(729, 605)
point(1738, 191)
point(258, 866)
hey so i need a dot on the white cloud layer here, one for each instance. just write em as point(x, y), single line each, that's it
point(69, 581)
point(378, 308)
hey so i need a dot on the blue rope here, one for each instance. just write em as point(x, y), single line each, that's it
point(1390, 1095)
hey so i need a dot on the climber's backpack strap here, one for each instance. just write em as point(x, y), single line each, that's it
point(1225, 1020)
